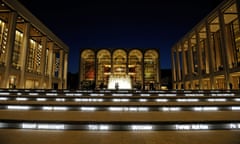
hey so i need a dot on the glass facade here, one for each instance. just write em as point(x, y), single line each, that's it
point(208, 56)
point(130, 68)
point(31, 56)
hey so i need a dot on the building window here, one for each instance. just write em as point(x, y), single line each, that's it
point(3, 41)
point(34, 57)
point(17, 49)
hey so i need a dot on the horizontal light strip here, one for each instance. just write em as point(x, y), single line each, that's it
point(187, 100)
point(4, 93)
point(123, 126)
point(123, 108)
point(51, 94)
point(142, 127)
point(223, 94)
point(88, 108)
point(145, 94)
point(3, 98)
point(33, 94)
point(88, 100)
point(236, 108)
point(73, 94)
point(55, 108)
point(96, 94)
point(205, 108)
point(21, 99)
point(41, 99)
point(43, 126)
point(161, 100)
point(94, 99)
point(13, 107)
point(194, 94)
point(167, 94)
point(120, 100)
point(116, 94)
point(216, 100)
point(60, 99)
point(121, 93)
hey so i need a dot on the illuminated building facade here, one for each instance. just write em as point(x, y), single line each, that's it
point(31, 56)
point(114, 68)
point(208, 57)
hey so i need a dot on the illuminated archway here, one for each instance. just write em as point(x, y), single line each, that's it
point(119, 79)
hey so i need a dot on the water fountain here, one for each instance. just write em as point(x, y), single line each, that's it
point(122, 82)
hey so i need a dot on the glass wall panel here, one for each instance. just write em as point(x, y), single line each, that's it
point(150, 68)
point(103, 68)
point(135, 67)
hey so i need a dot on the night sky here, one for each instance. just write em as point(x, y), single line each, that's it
point(120, 24)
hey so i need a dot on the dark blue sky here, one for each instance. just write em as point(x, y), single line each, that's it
point(121, 24)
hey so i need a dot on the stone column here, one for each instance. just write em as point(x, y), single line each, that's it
point(210, 56)
point(50, 65)
point(184, 65)
point(9, 48)
point(224, 49)
point(142, 69)
point(199, 54)
point(65, 70)
point(60, 70)
point(43, 61)
point(190, 64)
point(24, 52)
point(158, 70)
point(178, 68)
point(174, 79)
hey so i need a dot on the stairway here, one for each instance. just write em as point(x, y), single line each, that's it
point(119, 117)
